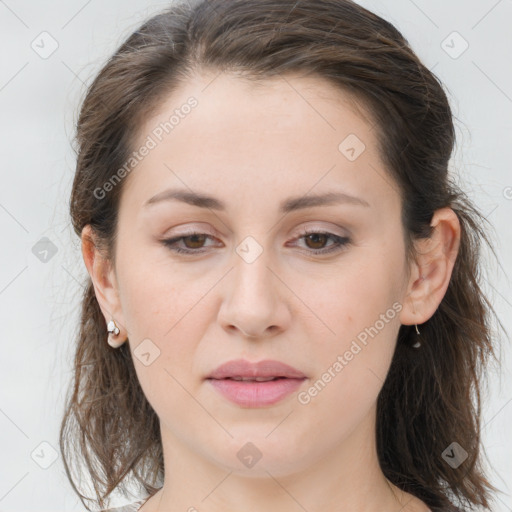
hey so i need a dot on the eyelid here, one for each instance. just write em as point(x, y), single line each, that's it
point(304, 230)
point(335, 230)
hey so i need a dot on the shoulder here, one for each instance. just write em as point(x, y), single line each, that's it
point(132, 507)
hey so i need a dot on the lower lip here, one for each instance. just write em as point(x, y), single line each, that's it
point(256, 394)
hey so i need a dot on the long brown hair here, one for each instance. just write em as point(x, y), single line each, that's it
point(431, 396)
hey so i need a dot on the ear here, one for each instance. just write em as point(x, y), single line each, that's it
point(431, 273)
point(104, 280)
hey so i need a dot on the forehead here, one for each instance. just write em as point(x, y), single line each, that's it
point(230, 101)
point(260, 141)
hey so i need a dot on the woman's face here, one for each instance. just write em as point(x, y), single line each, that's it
point(253, 286)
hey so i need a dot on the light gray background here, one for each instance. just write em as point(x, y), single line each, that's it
point(39, 99)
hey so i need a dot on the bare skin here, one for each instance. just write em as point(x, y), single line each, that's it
point(252, 148)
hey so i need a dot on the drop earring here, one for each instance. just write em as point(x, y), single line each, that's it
point(113, 331)
point(417, 344)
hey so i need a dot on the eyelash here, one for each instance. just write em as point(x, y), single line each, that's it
point(339, 242)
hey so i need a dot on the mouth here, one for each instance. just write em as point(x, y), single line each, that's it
point(250, 379)
point(258, 384)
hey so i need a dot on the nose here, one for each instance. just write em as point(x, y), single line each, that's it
point(248, 335)
point(254, 300)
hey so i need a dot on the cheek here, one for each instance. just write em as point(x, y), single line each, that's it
point(162, 308)
point(354, 336)
point(351, 370)
point(153, 292)
point(350, 300)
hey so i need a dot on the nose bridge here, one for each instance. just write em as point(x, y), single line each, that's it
point(252, 279)
point(252, 301)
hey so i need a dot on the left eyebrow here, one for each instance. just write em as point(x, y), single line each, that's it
point(288, 205)
point(300, 202)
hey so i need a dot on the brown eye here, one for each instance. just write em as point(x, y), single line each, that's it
point(317, 239)
point(196, 240)
point(193, 243)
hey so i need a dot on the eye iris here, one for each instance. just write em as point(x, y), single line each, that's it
point(194, 238)
point(313, 236)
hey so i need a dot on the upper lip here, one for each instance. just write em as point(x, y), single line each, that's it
point(265, 368)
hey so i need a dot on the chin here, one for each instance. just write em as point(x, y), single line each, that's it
point(256, 452)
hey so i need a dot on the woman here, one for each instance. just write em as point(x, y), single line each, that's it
point(283, 268)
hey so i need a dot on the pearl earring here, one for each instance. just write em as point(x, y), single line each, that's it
point(113, 331)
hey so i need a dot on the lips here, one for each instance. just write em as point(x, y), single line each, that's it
point(260, 384)
point(241, 369)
